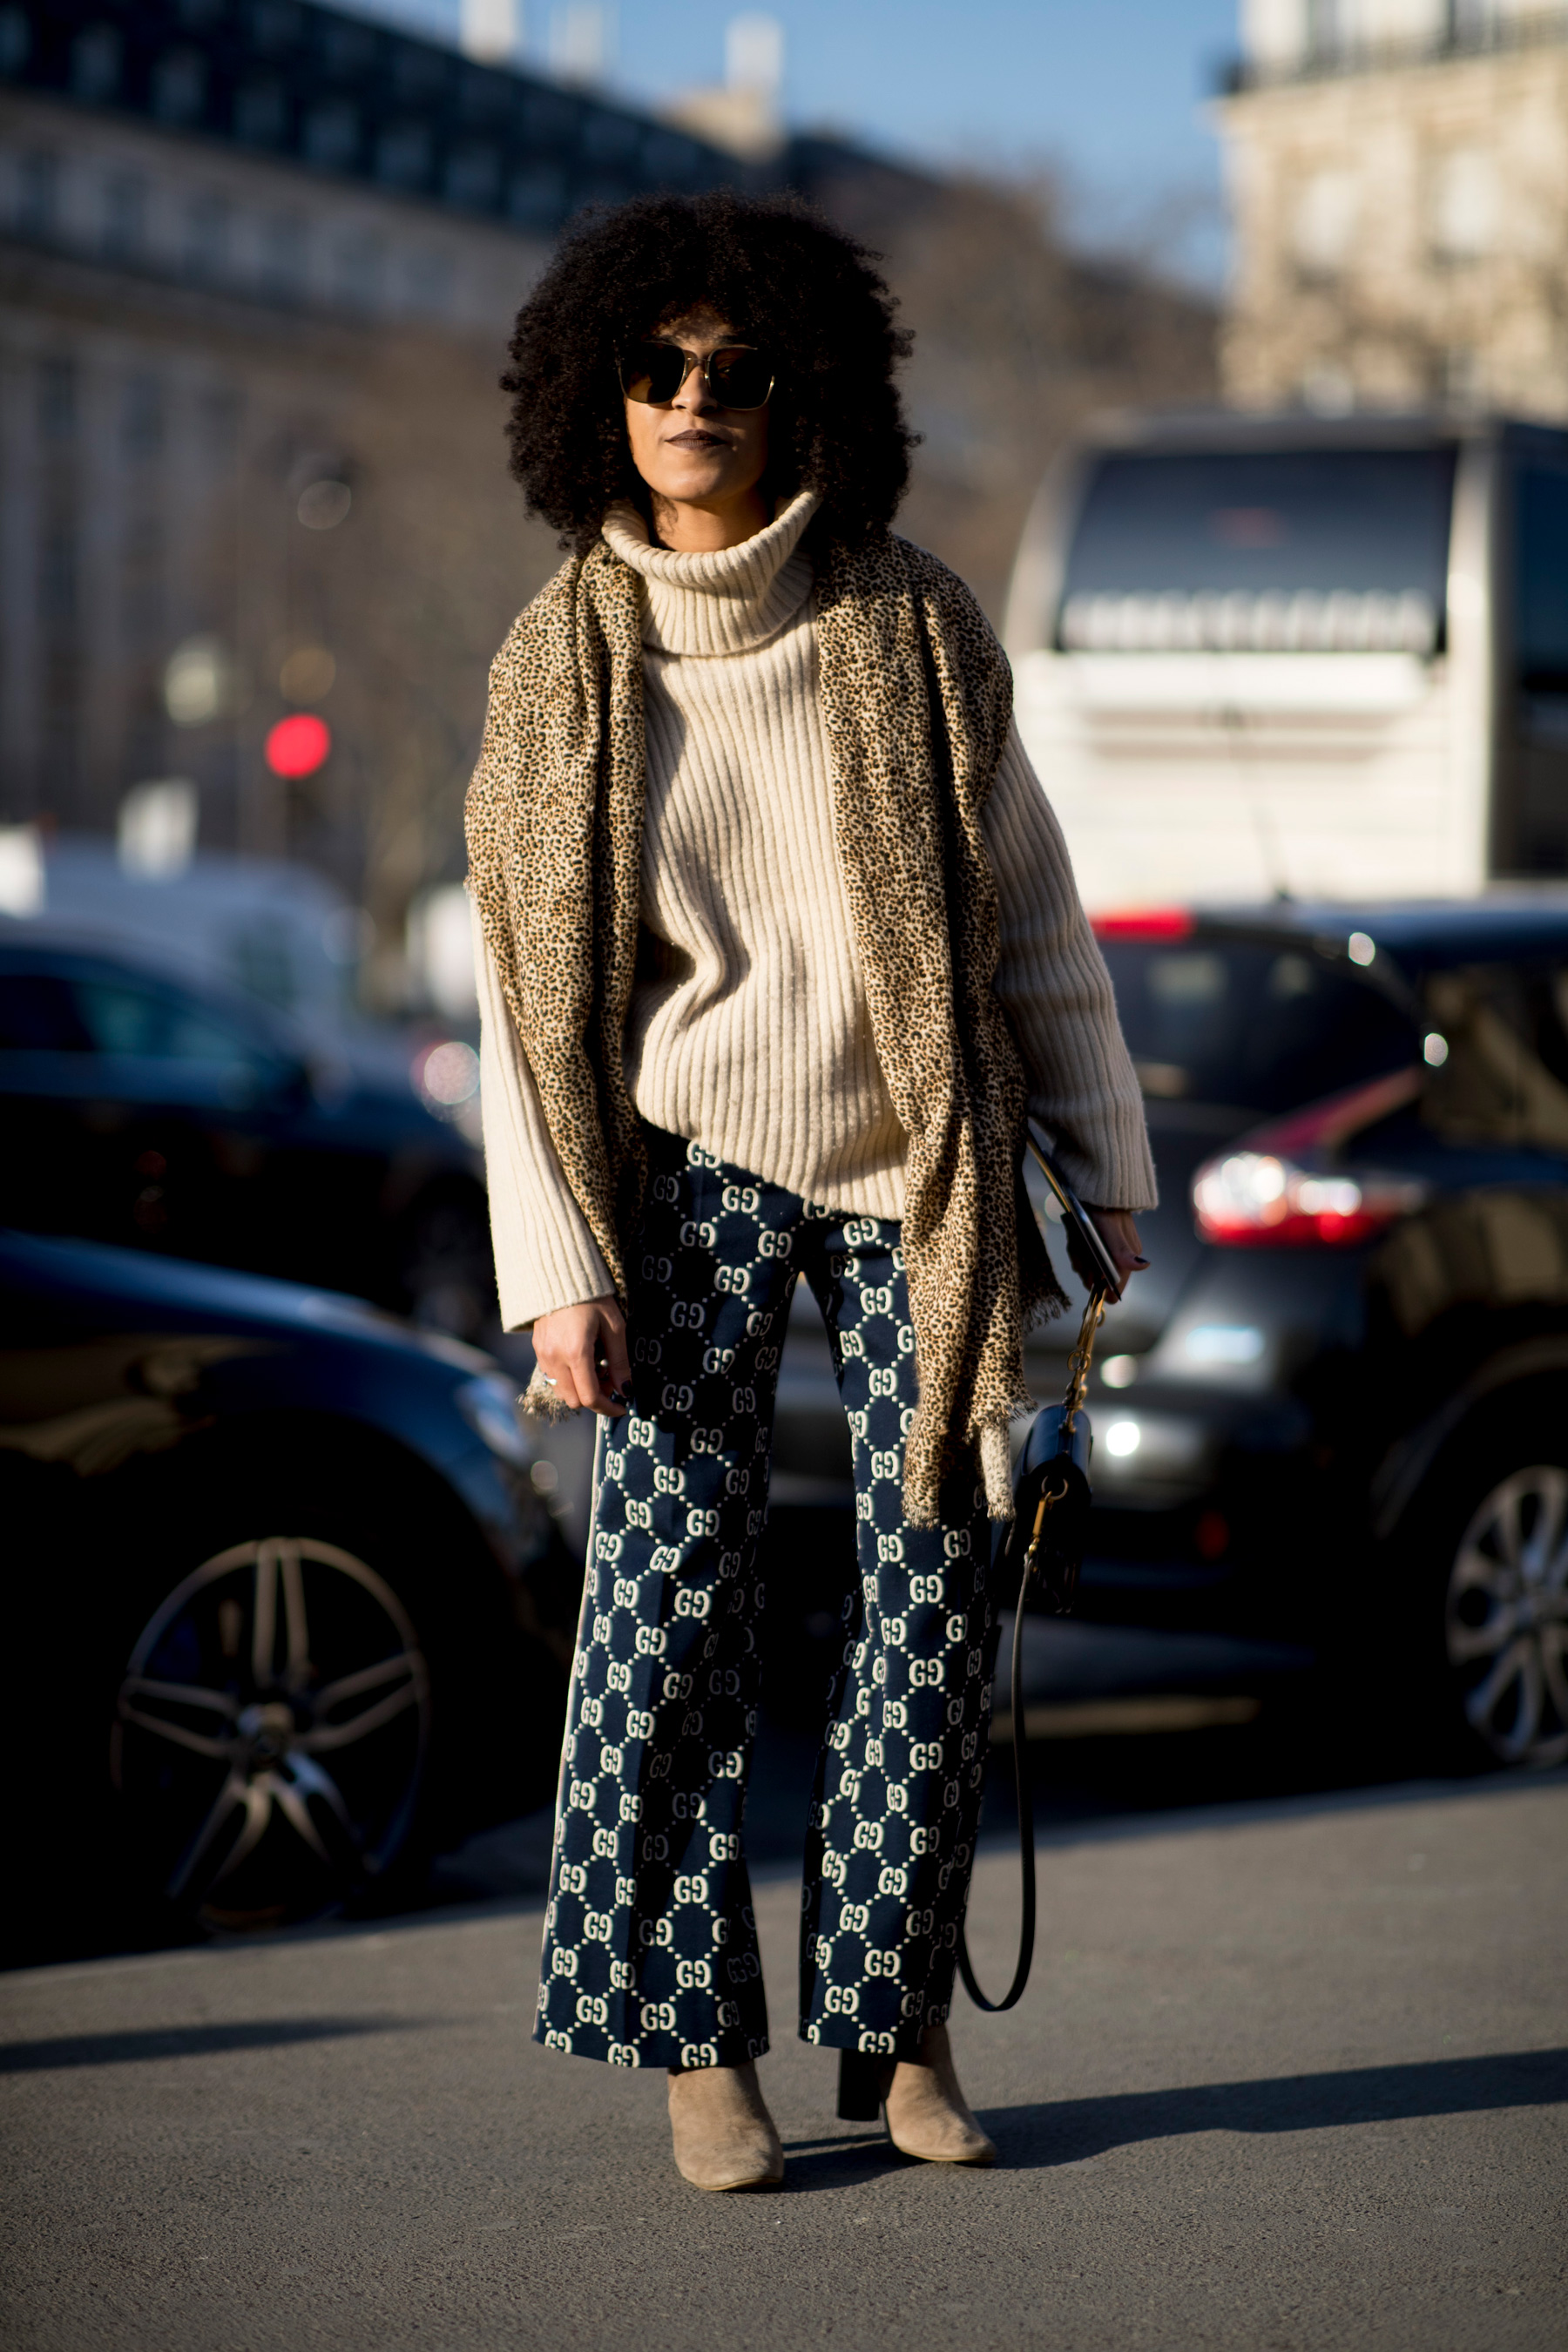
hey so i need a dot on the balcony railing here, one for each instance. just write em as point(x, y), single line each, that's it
point(1463, 36)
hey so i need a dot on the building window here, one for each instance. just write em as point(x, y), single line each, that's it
point(260, 113)
point(668, 158)
point(209, 227)
point(419, 72)
point(332, 137)
point(473, 177)
point(39, 194)
point(219, 410)
point(609, 138)
point(62, 702)
point(178, 87)
point(57, 569)
point(124, 236)
point(359, 272)
point(546, 119)
point(142, 584)
point(483, 96)
point(16, 40)
point(56, 400)
point(1470, 21)
point(275, 25)
point(403, 155)
point(1324, 223)
point(1464, 204)
point(1326, 28)
point(537, 197)
point(345, 48)
point(282, 272)
point(142, 416)
point(95, 63)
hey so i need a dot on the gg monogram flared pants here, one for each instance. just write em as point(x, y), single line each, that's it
point(650, 1950)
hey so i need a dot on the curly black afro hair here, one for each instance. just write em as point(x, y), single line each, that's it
point(777, 273)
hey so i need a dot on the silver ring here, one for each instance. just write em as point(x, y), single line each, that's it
point(546, 1379)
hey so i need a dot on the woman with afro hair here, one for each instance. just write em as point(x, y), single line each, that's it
point(779, 950)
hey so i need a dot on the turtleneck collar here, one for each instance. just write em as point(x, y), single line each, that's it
point(722, 604)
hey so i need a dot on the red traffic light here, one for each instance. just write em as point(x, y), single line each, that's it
point(298, 745)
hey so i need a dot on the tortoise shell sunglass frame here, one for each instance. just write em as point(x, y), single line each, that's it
point(738, 375)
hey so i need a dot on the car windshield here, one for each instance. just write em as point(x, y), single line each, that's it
point(1260, 1026)
point(1294, 550)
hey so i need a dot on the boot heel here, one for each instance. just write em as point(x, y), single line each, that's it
point(862, 2086)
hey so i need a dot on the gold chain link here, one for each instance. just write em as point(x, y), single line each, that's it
point(1078, 1364)
point(1082, 1357)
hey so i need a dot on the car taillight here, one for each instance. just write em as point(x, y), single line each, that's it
point(1144, 923)
point(1276, 1189)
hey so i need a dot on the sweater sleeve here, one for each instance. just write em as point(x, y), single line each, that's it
point(545, 1256)
point(1053, 982)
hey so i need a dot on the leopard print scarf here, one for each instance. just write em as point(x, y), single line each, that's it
point(554, 822)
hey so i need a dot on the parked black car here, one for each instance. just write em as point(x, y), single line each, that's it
point(285, 1612)
point(137, 1108)
point(1331, 1422)
point(1336, 1408)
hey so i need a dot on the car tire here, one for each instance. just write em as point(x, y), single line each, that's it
point(270, 1743)
point(1487, 1576)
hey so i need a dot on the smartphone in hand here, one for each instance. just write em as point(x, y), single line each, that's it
point(1091, 1252)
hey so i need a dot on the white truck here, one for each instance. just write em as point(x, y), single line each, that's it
point(1321, 657)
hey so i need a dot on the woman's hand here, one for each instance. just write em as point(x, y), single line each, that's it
point(1119, 1235)
point(581, 1352)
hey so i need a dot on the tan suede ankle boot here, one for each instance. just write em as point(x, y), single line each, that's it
point(724, 2135)
point(928, 2115)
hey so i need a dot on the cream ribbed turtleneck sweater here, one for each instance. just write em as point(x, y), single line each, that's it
point(748, 1031)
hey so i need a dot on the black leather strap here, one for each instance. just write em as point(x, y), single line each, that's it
point(863, 2080)
point(1014, 1991)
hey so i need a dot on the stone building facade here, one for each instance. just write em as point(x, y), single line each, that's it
point(1398, 173)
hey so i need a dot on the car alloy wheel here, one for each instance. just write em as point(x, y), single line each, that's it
point(1507, 1618)
point(271, 1733)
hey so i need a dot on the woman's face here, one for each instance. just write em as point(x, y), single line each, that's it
point(690, 450)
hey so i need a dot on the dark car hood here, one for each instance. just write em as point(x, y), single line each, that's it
point(119, 1353)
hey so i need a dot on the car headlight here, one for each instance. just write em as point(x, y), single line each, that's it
point(488, 1405)
point(1152, 1445)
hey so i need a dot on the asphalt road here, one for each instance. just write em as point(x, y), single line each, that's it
point(1288, 2075)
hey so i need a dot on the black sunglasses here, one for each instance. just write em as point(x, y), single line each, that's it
point(738, 376)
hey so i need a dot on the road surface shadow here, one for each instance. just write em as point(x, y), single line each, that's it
point(1067, 2131)
point(1057, 2133)
point(135, 2045)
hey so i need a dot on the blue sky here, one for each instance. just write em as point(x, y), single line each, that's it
point(1108, 91)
